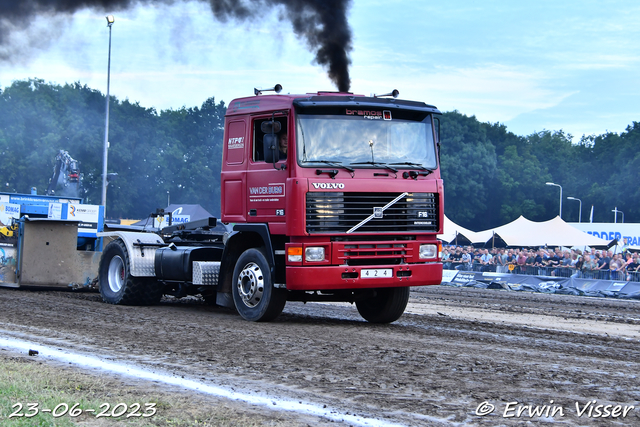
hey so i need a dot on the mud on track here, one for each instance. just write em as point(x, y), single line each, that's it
point(452, 350)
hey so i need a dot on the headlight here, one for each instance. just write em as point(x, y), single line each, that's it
point(428, 251)
point(294, 254)
point(314, 254)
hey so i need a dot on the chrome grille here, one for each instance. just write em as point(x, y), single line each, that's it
point(338, 212)
point(365, 253)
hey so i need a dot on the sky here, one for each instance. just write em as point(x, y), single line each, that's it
point(571, 65)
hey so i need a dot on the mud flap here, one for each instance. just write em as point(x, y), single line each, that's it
point(225, 300)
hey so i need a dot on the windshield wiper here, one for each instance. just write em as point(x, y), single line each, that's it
point(335, 163)
point(418, 165)
point(376, 164)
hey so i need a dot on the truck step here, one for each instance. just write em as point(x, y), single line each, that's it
point(206, 273)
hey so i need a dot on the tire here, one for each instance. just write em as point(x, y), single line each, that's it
point(386, 307)
point(253, 293)
point(117, 286)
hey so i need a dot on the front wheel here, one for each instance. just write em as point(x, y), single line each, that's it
point(386, 306)
point(254, 295)
point(117, 286)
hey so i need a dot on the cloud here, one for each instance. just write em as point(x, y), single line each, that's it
point(543, 65)
point(492, 92)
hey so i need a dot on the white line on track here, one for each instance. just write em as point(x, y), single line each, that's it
point(275, 403)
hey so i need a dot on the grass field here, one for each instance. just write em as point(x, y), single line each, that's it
point(76, 398)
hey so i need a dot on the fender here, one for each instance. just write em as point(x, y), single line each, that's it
point(263, 231)
point(235, 245)
point(142, 258)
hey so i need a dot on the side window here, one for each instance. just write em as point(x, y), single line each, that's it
point(258, 138)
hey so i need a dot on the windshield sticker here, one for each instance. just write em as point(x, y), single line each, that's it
point(386, 114)
point(367, 114)
point(245, 105)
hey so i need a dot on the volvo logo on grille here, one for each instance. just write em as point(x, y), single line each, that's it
point(377, 213)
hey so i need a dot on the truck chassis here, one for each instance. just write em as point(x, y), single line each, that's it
point(138, 268)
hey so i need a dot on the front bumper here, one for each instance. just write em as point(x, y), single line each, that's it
point(320, 278)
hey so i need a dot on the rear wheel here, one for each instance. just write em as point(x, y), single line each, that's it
point(117, 286)
point(254, 295)
point(386, 306)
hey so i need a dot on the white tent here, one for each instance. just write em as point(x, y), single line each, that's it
point(509, 229)
point(453, 231)
point(525, 233)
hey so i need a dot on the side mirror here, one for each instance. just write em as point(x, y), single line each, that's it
point(270, 126)
point(270, 147)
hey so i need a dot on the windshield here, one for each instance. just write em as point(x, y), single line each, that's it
point(360, 142)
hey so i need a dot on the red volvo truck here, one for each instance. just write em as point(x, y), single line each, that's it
point(327, 197)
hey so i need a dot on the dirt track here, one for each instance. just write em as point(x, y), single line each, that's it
point(453, 350)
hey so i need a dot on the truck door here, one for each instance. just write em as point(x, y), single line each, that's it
point(266, 183)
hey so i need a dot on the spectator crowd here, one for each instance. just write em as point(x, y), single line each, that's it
point(591, 264)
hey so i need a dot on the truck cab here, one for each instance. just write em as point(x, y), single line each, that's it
point(351, 207)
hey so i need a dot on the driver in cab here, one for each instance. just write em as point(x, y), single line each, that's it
point(283, 143)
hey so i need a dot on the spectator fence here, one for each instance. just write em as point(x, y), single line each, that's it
point(550, 271)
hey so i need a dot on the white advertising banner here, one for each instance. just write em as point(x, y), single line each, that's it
point(610, 231)
point(55, 211)
point(8, 212)
point(88, 215)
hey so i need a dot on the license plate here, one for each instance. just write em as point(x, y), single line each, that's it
point(374, 273)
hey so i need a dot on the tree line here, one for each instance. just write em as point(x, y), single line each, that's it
point(171, 154)
point(491, 175)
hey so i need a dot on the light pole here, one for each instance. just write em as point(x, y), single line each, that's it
point(110, 21)
point(573, 198)
point(615, 213)
point(558, 185)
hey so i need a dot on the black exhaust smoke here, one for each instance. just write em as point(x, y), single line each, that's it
point(322, 23)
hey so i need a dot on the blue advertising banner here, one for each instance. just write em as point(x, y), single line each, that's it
point(545, 284)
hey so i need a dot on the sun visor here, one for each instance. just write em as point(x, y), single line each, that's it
point(354, 106)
